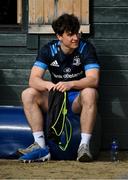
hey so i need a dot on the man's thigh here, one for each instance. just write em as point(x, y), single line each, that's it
point(74, 101)
point(43, 101)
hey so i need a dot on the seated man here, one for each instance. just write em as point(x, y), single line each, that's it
point(73, 66)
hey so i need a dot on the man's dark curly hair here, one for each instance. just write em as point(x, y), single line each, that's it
point(66, 23)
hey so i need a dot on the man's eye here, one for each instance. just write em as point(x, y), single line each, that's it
point(69, 34)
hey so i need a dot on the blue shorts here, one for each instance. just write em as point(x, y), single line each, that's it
point(71, 96)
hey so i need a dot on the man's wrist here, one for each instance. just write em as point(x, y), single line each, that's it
point(73, 84)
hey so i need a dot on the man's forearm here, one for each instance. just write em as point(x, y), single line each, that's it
point(40, 84)
point(87, 82)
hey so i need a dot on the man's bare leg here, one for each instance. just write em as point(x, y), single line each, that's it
point(87, 104)
point(34, 102)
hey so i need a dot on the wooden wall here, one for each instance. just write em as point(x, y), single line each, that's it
point(15, 63)
point(109, 34)
point(41, 14)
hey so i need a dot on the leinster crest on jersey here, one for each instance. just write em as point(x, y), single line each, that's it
point(76, 61)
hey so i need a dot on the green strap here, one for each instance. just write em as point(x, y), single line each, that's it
point(68, 138)
point(63, 110)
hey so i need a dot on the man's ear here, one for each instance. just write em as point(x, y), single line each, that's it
point(59, 37)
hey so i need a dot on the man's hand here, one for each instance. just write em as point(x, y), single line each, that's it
point(50, 85)
point(63, 86)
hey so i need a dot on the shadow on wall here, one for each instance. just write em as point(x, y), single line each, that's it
point(113, 100)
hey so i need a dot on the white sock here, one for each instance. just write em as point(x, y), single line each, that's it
point(39, 138)
point(85, 138)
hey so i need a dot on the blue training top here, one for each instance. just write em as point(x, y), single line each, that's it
point(67, 67)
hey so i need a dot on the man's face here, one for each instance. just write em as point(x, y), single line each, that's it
point(69, 40)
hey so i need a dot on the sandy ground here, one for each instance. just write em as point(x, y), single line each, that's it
point(102, 168)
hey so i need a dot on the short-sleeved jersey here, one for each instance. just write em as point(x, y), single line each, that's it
point(67, 67)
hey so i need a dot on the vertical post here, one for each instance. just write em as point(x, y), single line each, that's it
point(56, 8)
point(25, 15)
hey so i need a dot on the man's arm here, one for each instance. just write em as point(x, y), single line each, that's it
point(36, 80)
point(91, 80)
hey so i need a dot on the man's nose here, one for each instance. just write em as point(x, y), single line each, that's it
point(75, 36)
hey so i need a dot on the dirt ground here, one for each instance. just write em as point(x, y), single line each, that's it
point(102, 168)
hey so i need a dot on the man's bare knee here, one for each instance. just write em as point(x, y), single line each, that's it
point(28, 95)
point(31, 96)
point(89, 96)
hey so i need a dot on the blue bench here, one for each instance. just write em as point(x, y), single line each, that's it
point(15, 133)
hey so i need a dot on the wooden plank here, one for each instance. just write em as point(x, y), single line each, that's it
point(15, 61)
point(19, 11)
point(9, 103)
point(25, 16)
point(111, 46)
point(13, 39)
point(113, 109)
point(42, 12)
point(49, 11)
point(45, 15)
point(39, 11)
point(114, 77)
point(64, 7)
point(32, 41)
point(113, 14)
point(112, 3)
point(16, 50)
point(111, 93)
point(16, 76)
point(111, 126)
point(78, 11)
point(113, 62)
point(41, 18)
point(44, 39)
point(107, 139)
point(110, 30)
point(84, 11)
point(32, 18)
point(11, 95)
point(47, 29)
